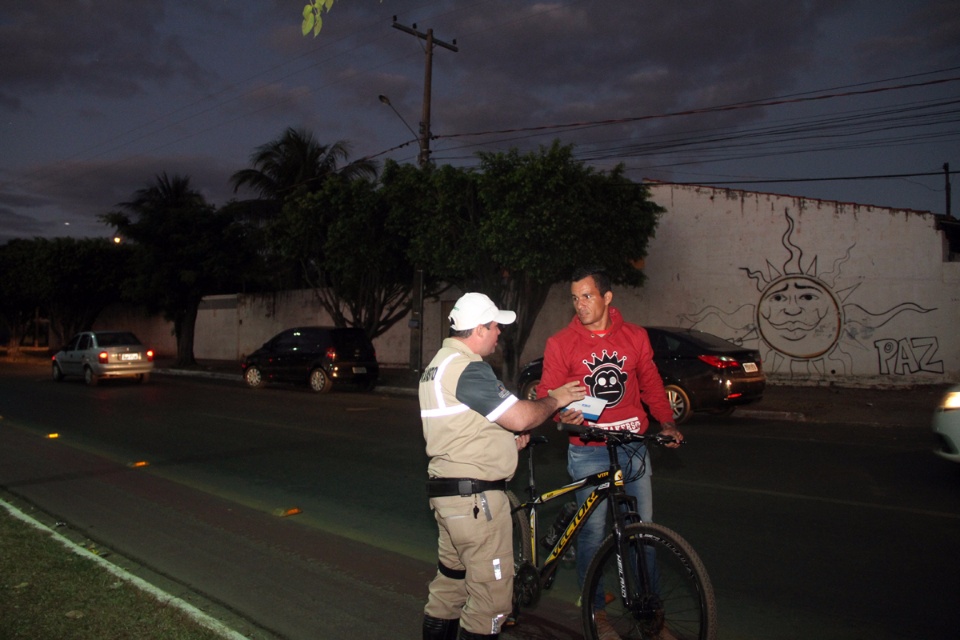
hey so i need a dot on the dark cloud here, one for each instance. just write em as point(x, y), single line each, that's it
point(109, 48)
point(99, 97)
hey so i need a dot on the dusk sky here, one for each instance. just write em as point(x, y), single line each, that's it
point(97, 97)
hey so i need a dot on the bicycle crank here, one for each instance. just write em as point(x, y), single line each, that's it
point(526, 585)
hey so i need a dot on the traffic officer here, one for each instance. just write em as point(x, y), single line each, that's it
point(473, 427)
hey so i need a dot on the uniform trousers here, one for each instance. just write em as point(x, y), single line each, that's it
point(481, 548)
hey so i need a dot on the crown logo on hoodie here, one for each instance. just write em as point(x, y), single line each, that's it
point(606, 359)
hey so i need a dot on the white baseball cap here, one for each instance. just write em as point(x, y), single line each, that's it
point(474, 309)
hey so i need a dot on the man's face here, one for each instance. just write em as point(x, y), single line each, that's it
point(590, 306)
point(488, 337)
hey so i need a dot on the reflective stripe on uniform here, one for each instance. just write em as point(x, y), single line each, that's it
point(442, 409)
point(506, 404)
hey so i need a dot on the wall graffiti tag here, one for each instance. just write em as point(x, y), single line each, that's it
point(805, 325)
point(911, 355)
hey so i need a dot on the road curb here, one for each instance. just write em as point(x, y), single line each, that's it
point(193, 373)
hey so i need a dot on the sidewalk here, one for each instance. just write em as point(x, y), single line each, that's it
point(899, 407)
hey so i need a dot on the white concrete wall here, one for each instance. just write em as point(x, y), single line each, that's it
point(827, 291)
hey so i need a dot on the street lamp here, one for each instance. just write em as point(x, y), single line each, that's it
point(420, 140)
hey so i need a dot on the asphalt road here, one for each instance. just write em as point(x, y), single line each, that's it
point(808, 530)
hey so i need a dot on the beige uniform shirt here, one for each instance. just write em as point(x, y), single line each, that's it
point(460, 401)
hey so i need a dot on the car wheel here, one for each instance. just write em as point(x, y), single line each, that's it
point(528, 390)
point(679, 402)
point(253, 377)
point(57, 373)
point(320, 381)
point(143, 378)
point(90, 377)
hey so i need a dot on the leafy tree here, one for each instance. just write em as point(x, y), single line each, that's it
point(187, 250)
point(524, 222)
point(20, 297)
point(81, 278)
point(67, 280)
point(350, 253)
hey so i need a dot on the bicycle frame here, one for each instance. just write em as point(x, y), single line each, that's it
point(663, 585)
point(607, 484)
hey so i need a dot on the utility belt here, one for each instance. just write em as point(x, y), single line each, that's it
point(442, 487)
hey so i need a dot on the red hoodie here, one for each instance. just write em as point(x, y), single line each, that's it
point(617, 367)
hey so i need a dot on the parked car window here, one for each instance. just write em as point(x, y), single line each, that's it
point(86, 342)
point(308, 340)
point(117, 338)
point(286, 342)
point(351, 339)
point(668, 344)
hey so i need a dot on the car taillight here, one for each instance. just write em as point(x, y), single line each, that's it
point(149, 355)
point(720, 362)
point(103, 356)
point(331, 353)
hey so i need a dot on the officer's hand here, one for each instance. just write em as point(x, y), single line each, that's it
point(522, 440)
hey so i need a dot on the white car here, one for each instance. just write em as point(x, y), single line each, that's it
point(946, 424)
point(103, 354)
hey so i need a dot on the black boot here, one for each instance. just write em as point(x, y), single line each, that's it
point(440, 629)
point(468, 635)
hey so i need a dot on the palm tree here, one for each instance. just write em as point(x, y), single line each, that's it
point(187, 249)
point(297, 162)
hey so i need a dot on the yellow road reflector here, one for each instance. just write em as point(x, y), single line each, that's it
point(283, 513)
point(53, 436)
point(139, 463)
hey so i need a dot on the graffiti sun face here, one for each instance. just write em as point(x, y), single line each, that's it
point(799, 317)
point(803, 324)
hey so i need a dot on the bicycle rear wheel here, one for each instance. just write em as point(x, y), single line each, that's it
point(679, 605)
point(526, 580)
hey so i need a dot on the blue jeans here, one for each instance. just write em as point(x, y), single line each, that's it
point(583, 461)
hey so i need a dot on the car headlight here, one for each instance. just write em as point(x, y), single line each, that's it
point(951, 400)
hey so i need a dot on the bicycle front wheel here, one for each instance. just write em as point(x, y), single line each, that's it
point(670, 595)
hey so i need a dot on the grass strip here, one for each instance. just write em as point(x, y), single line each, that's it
point(47, 591)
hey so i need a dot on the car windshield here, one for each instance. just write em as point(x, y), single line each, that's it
point(116, 338)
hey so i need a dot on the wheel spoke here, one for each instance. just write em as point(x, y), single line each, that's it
point(679, 604)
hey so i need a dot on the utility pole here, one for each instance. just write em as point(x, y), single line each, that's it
point(946, 177)
point(424, 156)
point(416, 307)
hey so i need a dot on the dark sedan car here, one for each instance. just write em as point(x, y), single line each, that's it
point(700, 372)
point(319, 356)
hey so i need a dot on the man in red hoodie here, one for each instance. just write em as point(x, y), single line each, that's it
point(614, 360)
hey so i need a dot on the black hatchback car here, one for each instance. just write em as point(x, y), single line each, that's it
point(700, 372)
point(322, 357)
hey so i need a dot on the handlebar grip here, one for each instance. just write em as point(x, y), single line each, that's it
point(576, 429)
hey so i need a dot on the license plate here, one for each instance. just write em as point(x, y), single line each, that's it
point(359, 369)
point(129, 356)
point(750, 367)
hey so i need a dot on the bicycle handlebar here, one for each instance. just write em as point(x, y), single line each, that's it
point(617, 437)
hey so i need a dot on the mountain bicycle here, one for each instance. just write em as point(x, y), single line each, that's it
point(652, 582)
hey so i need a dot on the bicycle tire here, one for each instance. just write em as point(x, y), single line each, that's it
point(683, 606)
point(526, 580)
